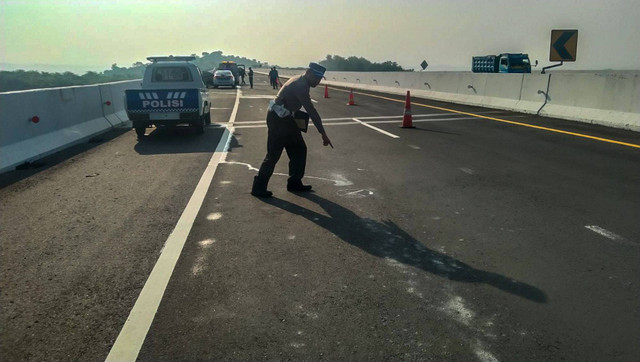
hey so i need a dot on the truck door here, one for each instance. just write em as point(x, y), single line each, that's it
point(504, 64)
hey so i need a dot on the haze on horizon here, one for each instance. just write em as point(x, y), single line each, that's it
point(92, 35)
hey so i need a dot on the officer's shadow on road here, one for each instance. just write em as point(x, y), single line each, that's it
point(385, 239)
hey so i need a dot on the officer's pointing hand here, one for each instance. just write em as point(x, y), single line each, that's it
point(326, 141)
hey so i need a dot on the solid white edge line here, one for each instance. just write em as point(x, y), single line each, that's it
point(131, 338)
point(376, 128)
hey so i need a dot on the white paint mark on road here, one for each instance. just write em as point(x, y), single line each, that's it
point(355, 194)
point(198, 266)
point(414, 147)
point(291, 237)
point(204, 244)
point(338, 180)
point(376, 128)
point(483, 355)
point(314, 101)
point(466, 170)
point(243, 164)
point(610, 235)
point(214, 216)
point(606, 233)
point(127, 345)
point(456, 309)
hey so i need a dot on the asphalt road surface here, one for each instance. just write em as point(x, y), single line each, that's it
point(479, 235)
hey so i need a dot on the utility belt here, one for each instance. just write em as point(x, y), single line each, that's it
point(279, 109)
point(301, 118)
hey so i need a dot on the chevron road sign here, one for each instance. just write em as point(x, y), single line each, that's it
point(564, 45)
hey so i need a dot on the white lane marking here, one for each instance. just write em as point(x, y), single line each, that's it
point(219, 108)
point(466, 170)
point(414, 147)
point(127, 345)
point(258, 96)
point(370, 117)
point(376, 128)
point(263, 125)
point(606, 233)
point(314, 101)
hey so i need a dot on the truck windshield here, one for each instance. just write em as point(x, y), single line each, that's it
point(171, 74)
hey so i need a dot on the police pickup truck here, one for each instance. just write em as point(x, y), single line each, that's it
point(172, 94)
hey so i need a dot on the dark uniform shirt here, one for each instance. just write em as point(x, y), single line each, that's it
point(294, 94)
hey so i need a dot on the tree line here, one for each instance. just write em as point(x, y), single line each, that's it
point(355, 64)
point(22, 80)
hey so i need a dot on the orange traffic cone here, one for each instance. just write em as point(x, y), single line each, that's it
point(407, 120)
point(351, 102)
point(326, 91)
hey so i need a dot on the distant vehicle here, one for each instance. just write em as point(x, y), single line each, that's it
point(223, 78)
point(207, 78)
point(233, 67)
point(172, 93)
point(503, 63)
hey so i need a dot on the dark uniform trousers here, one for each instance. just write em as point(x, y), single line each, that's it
point(283, 134)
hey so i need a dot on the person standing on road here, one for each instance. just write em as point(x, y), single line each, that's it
point(276, 78)
point(241, 71)
point(251, 77)
point(273, 77)
point(284, 132)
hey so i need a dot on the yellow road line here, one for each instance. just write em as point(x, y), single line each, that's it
point(501, 120)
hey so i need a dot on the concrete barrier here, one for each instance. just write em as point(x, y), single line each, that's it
point(65, 116)
point(610, 98)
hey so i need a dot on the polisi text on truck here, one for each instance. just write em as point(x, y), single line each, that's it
point(163, 103)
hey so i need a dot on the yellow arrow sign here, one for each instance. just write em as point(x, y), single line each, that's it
point(564, 45)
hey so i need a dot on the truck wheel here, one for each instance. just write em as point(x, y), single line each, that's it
point(207, 119)
point(140, 131)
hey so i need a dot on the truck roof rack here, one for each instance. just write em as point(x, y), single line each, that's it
point(171, 58)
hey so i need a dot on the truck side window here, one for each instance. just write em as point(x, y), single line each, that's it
point(503, 61)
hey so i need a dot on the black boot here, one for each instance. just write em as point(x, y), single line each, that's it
point(298, 187)
point(259, 188)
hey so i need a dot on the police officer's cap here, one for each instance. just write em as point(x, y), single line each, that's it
point(317, 69)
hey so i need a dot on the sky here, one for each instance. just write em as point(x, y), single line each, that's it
point(81, 35)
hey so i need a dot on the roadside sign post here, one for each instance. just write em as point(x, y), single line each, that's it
point(424, 64)
point(564, 47)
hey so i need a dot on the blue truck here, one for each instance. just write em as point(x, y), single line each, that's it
point(173, 93)
point(503, 63)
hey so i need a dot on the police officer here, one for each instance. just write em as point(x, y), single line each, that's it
point(251, 77)
point(284, 133)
